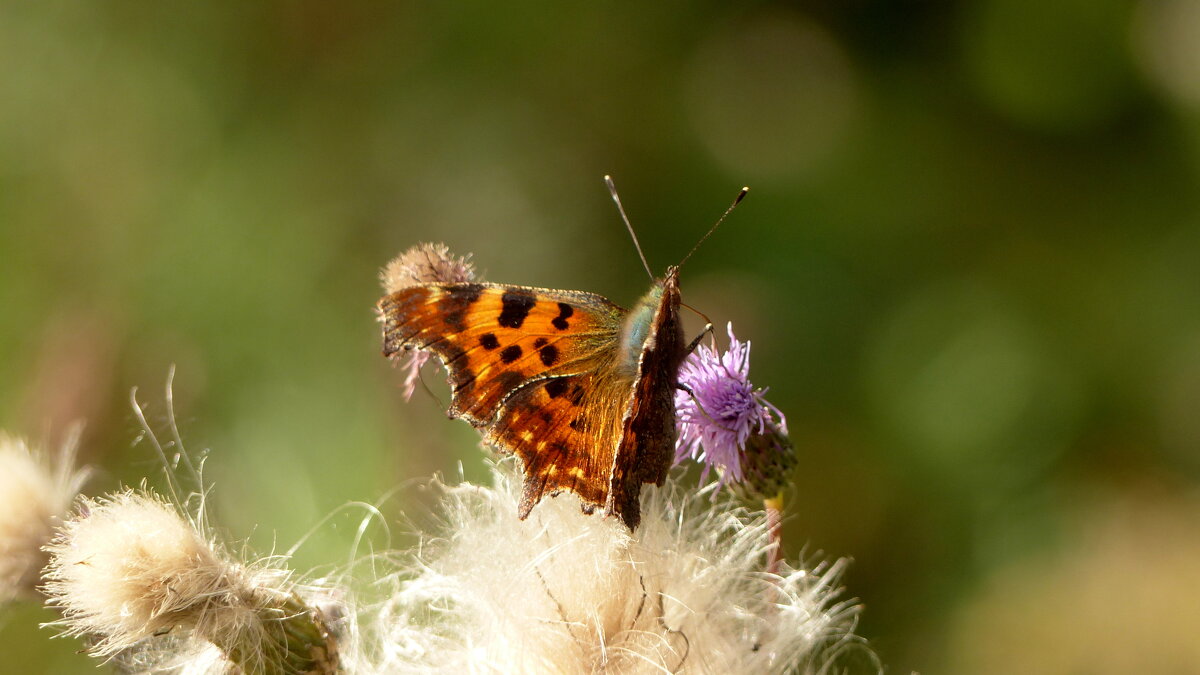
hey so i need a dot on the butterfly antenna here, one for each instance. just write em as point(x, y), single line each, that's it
point(702, 315)
point(736, 200)
point(612, 189)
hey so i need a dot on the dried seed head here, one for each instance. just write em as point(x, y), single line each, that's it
point(425, 263)
point(35, 495)
point(128, 570)
point(564, 592)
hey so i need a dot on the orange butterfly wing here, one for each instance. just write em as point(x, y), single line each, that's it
point(534, 369)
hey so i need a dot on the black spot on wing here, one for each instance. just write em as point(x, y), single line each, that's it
point(549, 355)
point(557, 387)
point(539, 343)
point(515, 306)
point(488, 341)
point(469, 292)
point(510, 353)
point(455, 301)
point(564, 312)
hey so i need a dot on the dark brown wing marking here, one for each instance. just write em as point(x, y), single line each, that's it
point(495, 338)
point(648, 426)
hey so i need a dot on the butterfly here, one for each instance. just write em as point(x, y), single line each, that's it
point(580, 389)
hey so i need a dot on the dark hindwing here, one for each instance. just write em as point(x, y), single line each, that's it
point(648, 433)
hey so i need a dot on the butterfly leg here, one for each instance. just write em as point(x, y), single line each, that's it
point(708, 330)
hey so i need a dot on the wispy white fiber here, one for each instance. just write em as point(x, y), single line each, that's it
point(565, 592)
point(144, 582)
point(36, 491)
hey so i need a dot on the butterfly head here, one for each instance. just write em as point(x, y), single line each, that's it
point(660, 305)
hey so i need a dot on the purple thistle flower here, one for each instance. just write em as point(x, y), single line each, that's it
point(723, 411)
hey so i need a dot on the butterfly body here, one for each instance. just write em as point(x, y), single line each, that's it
point(580, 389)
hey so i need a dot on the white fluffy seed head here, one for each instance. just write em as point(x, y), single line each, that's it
point(128, 568)
point(35, 494)
point(564, 592)
point(424, 263)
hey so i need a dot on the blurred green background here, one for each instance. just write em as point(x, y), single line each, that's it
point(968, 265)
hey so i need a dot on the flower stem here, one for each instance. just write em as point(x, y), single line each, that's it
point(774, 508)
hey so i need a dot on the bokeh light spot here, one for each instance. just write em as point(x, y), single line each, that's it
point(965, 385)
point(1117, 599)
point(772, 98)
point(1180, 403)
point(1053, 66)
point(1166, 40)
